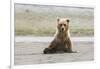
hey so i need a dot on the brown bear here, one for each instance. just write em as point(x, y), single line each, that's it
point(62, 41)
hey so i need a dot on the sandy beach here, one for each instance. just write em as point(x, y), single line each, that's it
point(27, 53)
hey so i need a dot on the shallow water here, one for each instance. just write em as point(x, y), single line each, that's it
point(29, 50)
point(27, 53)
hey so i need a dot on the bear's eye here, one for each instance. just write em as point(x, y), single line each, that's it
point(60, 24)
point(64, 24)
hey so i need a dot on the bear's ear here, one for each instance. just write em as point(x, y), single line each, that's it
point(58, 19)
point(68, 20)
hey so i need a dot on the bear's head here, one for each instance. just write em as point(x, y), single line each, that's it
point(63, 24)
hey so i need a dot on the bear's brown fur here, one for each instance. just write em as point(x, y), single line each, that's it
point(61, 42)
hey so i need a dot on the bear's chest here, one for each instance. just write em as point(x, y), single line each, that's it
point(60, 44)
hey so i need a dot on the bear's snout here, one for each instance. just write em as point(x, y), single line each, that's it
point(62, 29)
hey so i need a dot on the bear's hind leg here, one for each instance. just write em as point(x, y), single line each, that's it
point(48, 51)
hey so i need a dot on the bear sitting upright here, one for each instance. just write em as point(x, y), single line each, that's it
point(61, 42)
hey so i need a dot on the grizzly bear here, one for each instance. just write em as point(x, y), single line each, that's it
point(62, 41)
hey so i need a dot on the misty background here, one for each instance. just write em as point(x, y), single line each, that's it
point(40, 20)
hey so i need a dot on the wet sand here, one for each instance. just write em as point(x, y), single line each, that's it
point(27, 53)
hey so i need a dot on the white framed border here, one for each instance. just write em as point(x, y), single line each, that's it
point(72, 3)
